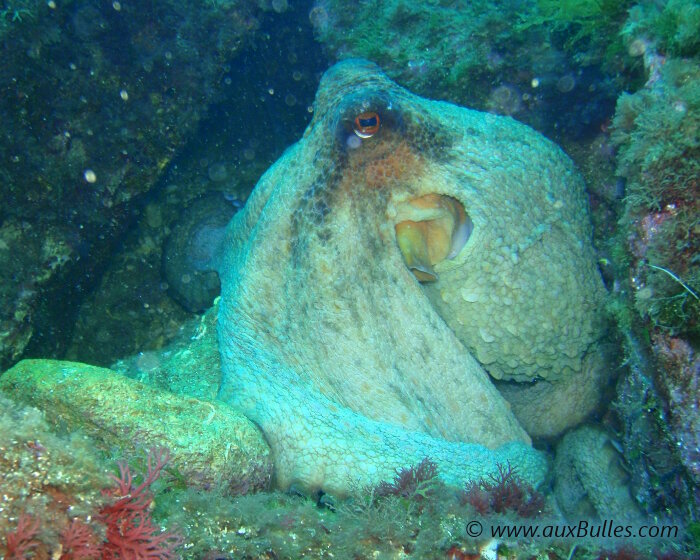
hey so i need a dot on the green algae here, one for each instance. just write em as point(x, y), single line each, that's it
point(659, 155)
point(671, 26)
point(591, 26)
point(429, 44)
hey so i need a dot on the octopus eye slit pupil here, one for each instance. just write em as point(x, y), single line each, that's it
point(366, 124)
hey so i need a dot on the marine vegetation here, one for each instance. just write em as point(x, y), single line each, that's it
point(125, 518)
point(506, 57)
point(404, 327)
point(502, 492)
point(656, 133)
point(592, 22)
point(416, 482)
point(657, 253)
point(59, 501)
point(672, 26)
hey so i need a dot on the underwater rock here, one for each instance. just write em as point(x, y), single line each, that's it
point(399, 251)
point(659, 220)
point(679, 389)
point(590, 480)
point(656, 139)
point(34, 263)
point(98, 102)
point(518, 66)
point(190, 248)
point(212, 445)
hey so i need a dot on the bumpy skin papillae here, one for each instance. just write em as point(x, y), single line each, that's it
point(524, 294)
point(328, 341)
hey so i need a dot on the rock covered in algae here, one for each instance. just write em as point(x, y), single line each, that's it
point(67, 222)
point(211, 444)
point(52, 477)
point(390, 261)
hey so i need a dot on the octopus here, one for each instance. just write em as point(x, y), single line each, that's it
point(190, 247)
point(411, 279)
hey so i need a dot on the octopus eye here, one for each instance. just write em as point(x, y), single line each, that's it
point(366, 125)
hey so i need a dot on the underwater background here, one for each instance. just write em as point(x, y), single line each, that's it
point(134, 131)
